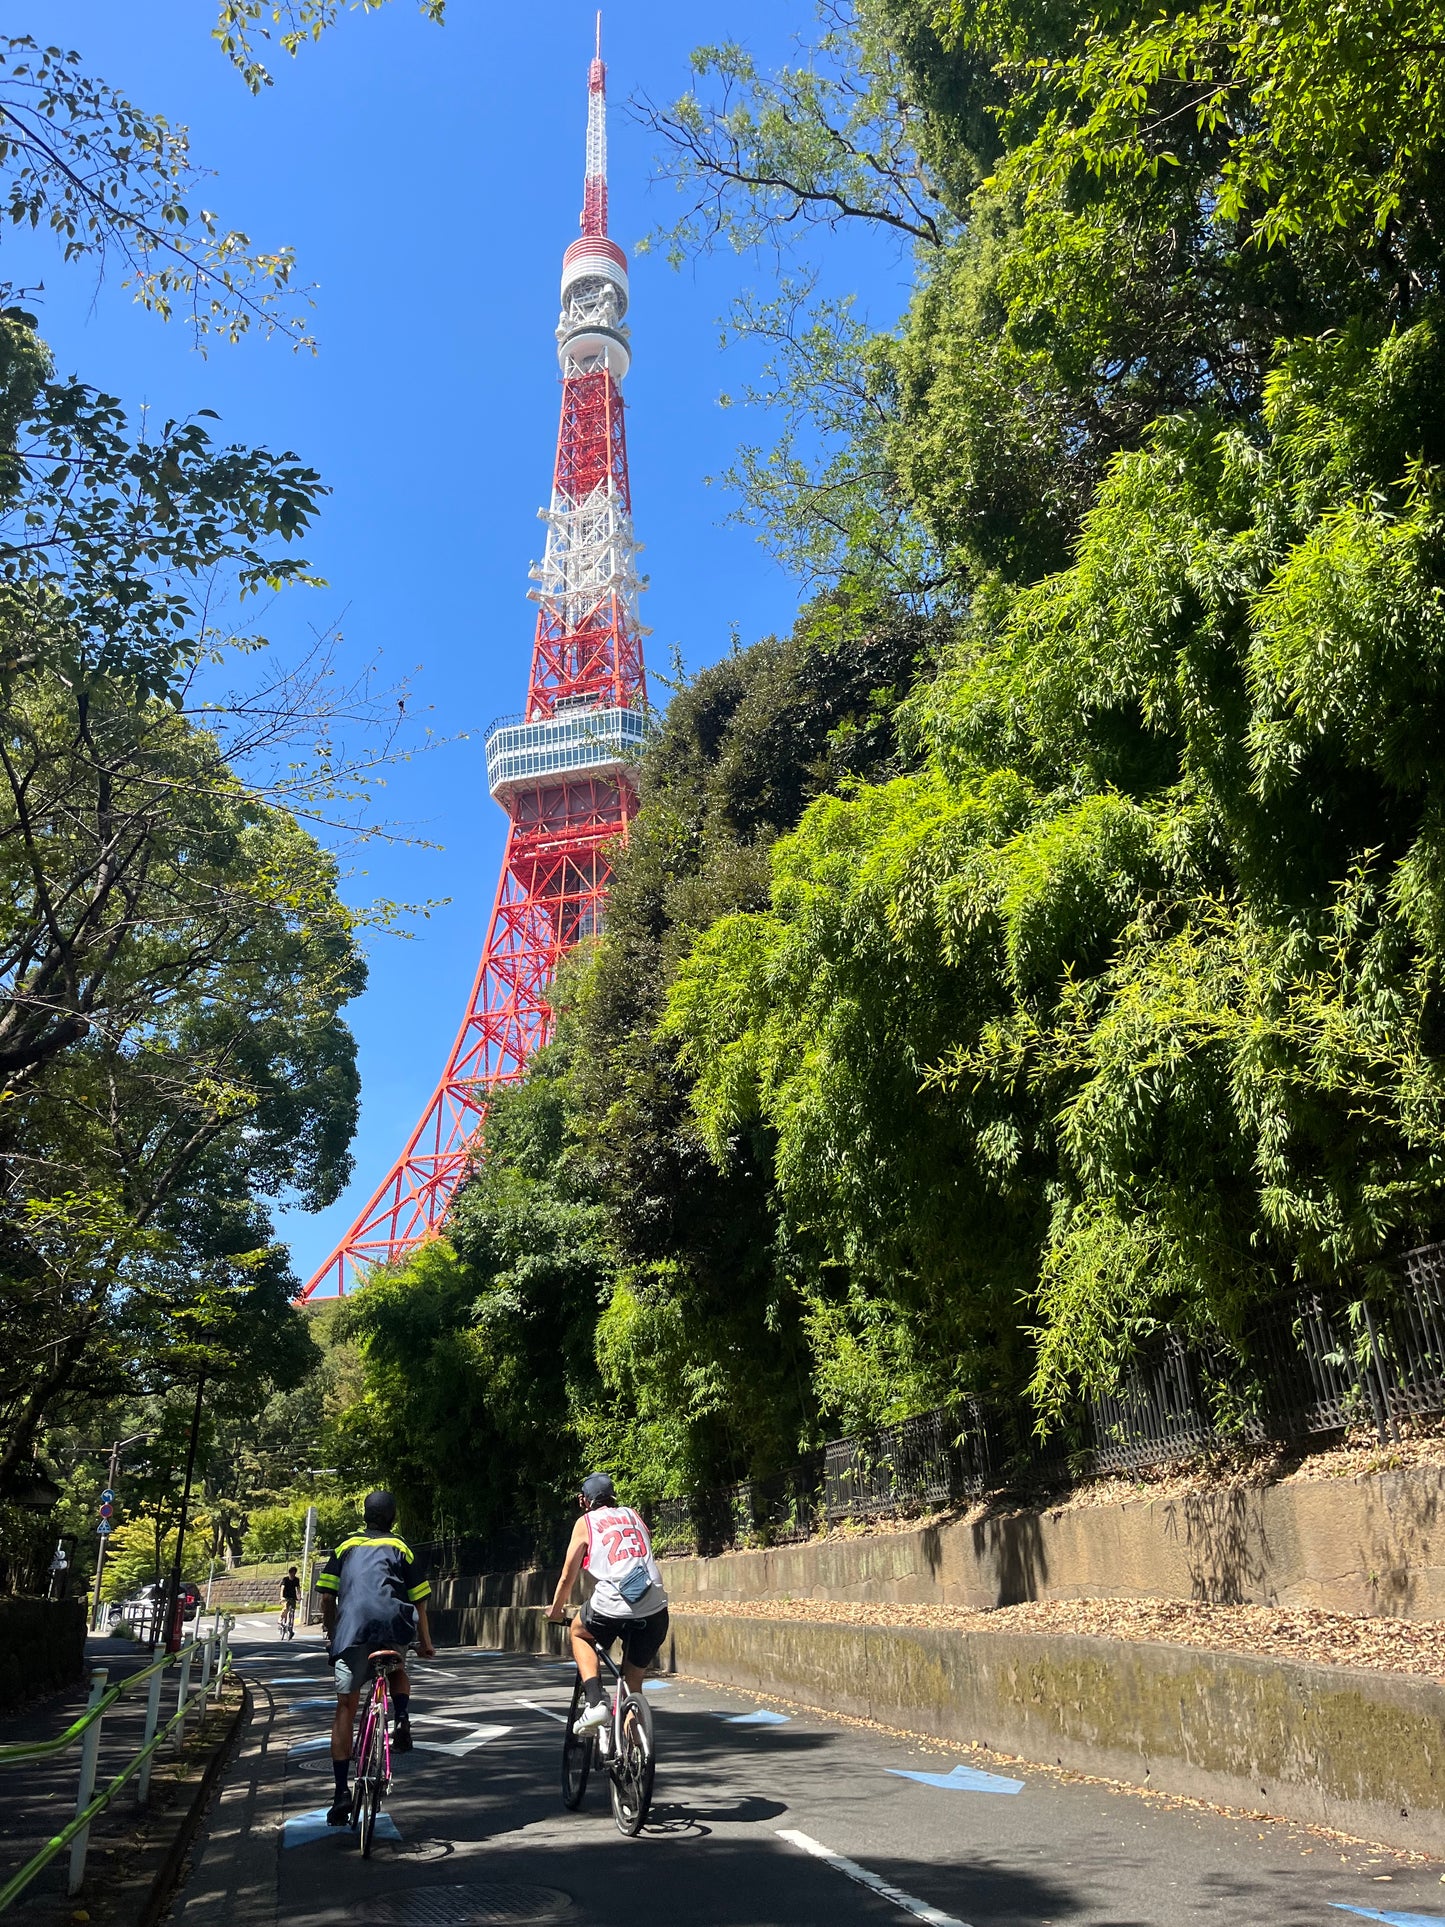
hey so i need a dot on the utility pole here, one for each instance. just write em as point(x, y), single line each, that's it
point(308, 1548)
point(173, 1590)
point(108, 1499)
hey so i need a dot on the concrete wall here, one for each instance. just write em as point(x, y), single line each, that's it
point(1360, 1751)
point(1369, 1545)
point(502, 1611)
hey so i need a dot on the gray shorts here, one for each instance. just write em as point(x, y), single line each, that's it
point(352, 1669)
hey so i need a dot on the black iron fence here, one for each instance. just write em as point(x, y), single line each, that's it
point(1322, 1365)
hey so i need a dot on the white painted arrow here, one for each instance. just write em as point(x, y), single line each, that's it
point(459, 1749)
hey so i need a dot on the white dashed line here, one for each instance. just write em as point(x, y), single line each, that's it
point(920, 1909)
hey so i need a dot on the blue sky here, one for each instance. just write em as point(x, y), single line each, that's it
point(429, 179)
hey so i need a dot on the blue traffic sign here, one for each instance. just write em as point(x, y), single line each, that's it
point(107, 1497)
point(103, 1529)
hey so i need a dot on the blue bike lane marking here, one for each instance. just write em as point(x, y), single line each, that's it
point(963, 1779)
point(1394, 1920)
point(304, 1828)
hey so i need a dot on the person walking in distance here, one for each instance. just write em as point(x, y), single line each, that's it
point(628, 1599)
point(371, 1598)
point(290, 1594)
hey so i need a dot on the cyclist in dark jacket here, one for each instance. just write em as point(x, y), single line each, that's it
point(371, 1597)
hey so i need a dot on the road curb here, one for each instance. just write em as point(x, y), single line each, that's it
point(167, 1876)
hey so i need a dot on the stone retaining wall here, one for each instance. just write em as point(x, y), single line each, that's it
point(237, 1590)
point(1360, 1751)
point(1374, 1544)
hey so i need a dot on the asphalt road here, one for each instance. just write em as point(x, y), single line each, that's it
point(756, 1821)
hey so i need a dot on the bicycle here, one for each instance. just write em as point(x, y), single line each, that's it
point(630, 1758)
point(286, 1625)
point(371, 1756)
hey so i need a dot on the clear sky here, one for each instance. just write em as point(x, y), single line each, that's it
point(429, 179)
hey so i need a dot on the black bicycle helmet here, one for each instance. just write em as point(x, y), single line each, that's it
point(379, 1511)
point(598, 1489)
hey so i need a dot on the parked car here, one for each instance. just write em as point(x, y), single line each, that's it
point(141, 1608)
point(137, 1611)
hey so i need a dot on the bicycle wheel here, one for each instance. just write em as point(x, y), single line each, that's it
point(632, 1774)
point(373, 1779)
point(360, 1744)
point(576, 1754)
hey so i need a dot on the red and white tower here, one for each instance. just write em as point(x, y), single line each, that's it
point(562, 769)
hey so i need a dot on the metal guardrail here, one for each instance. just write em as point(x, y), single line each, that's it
point(213, 1647)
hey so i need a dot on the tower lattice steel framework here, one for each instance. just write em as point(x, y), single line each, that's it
point(562, 769)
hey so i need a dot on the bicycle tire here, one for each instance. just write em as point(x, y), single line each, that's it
point(576, 1754)
point(361, 1742)
point(632, 1775)
point(375, 1776)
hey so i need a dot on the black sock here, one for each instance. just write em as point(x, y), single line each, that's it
point(592, 1691)
point(401, 1701)
point(340, 1768)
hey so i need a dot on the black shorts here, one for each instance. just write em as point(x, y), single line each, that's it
point(641, 1638)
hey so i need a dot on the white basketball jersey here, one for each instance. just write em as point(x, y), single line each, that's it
point(618, 1542)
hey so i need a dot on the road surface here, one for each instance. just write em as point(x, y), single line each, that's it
point(760, 1817)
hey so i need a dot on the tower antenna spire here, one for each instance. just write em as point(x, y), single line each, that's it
point(563, 770)
point(594, 192)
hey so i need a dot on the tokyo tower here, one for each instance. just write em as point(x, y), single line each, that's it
point(562, 770)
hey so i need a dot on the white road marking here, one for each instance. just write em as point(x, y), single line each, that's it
point(459, 1749)
point(920, 1909)
point(533, 1707)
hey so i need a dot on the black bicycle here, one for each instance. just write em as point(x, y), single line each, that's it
point(625, 1748)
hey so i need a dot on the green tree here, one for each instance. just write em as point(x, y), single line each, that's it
point(477, 1352)
point(1168, 881)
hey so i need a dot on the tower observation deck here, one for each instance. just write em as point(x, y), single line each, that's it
point(562, 768)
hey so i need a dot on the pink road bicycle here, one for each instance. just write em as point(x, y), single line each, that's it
point(371, 1755)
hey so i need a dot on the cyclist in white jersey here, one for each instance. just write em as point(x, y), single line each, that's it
point(628, 1599)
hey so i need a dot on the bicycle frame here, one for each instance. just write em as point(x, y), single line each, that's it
point(618, 1683)
point(378, 1706)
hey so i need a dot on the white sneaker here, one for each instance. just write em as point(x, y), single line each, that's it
point(591, 1717)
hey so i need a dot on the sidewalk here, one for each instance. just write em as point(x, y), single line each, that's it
point(37, 1797)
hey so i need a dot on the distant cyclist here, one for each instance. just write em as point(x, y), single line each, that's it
point(628, 1600)
point(290, 1594)
point(371, 1598)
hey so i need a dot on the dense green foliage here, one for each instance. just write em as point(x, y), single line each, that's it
point(1101, 992)
point(605, 1291)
